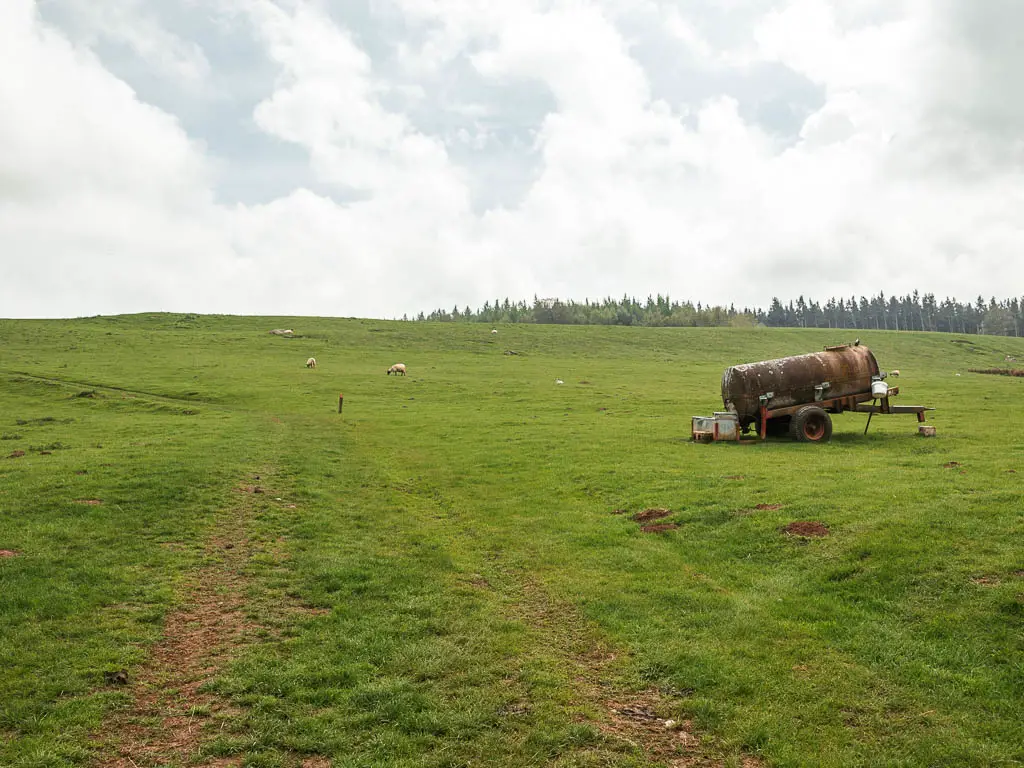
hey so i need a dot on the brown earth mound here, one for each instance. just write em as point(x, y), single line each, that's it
point(16, 454)
point(768, 507)
point(659, 528)
point(811, 528)
point(9, 553)
point(650, 514)
point(999, 371)
point(951, 464)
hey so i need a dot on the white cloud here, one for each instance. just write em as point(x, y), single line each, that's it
point(889, 185)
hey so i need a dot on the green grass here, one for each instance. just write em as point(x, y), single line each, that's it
point(437, 504)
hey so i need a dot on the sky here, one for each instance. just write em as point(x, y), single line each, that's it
point(372, 158)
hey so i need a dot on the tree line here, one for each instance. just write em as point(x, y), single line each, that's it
point(913, 312)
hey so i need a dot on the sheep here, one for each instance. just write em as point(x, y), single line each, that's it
point(894, 373)
point(282, 332)
point(559, 381)
point(397, 368)
point(311, 363)
point(494, 330)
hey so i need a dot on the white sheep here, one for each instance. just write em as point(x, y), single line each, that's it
point(559, 381)
point(282, 332)
point(894, 373)
point(397, 368)
point(494, 330)
point(311, 363)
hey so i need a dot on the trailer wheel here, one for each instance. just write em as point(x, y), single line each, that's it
point(811, 424)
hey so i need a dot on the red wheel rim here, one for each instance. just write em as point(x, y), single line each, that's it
point(814, 428)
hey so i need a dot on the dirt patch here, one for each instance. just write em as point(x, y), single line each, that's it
point(659, 528)
point(480, 582)
point(999, 371)
point(768, 507)
point(9, 553)
point(651, 514)
point(171, 717)
point(951, 465)
point(735, 477)
point(986, 581)
point(89, 502)
point(15, 454)
point(807, 528)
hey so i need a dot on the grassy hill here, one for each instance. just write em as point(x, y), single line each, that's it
point(206, 562)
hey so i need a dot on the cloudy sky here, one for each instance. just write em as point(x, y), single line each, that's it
point(377, 157)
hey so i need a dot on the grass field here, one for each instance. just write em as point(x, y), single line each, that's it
point(204, 563)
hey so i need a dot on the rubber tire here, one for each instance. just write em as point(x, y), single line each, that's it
point(811, 424)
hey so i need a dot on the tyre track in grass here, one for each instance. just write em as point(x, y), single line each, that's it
point(14, 376)
point(642, 723)
point(172, 718)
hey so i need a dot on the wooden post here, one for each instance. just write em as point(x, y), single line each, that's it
point(341, 401)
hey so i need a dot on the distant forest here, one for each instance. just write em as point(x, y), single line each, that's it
point(914, 312)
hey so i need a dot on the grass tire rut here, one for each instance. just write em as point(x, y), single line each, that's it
point(172, 717)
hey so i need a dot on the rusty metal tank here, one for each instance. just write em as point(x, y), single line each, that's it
point(837, 372)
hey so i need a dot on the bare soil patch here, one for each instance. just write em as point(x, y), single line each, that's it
point(651, 514)
point(734, 477)
point(89, 502)
point(659, 528)
point(768, 507)
point(807, 528)
point(9, 553)
point(986, 581)
point(951, 464)
point(999, 371)
point(15, 454)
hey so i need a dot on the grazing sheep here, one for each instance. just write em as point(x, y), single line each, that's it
point(282, 332)
point(311, 363)
point(559, 381)
point(494, 330)
point(894, 373)
point(397, 368)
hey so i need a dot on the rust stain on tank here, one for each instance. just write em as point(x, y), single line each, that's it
point(836, 372)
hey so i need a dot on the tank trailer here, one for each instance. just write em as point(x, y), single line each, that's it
point(796, 395)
